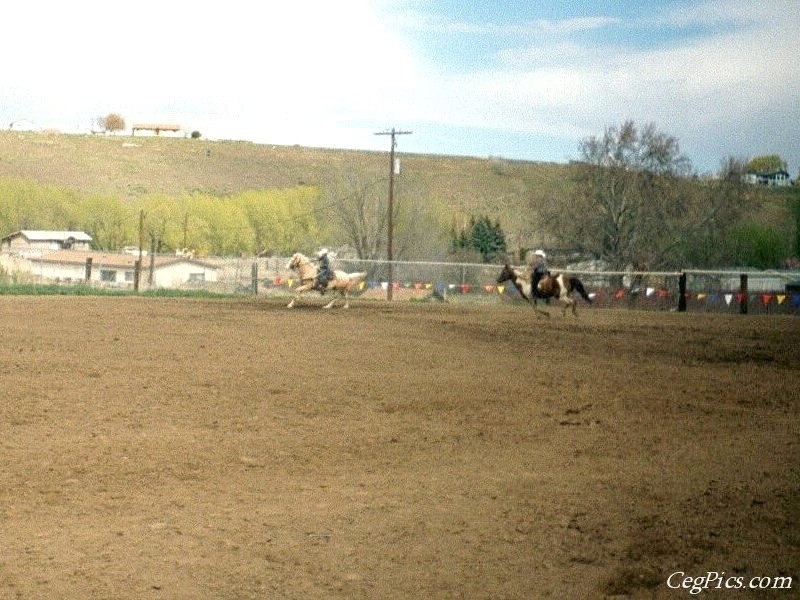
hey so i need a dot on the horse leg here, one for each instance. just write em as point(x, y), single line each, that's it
point(333, 299)
point(297, 294)
point(539, 313)
point(569, 303)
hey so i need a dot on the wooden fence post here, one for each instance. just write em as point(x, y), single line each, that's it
point(88, 274)
point(254, 277)
point(682, 293)
point(743, 293)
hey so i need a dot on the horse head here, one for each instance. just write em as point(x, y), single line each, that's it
point(507, 274)
point(295, 261)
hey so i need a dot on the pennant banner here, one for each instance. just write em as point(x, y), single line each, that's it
point(651, 294)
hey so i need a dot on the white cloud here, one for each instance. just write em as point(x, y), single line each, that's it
point(251, 67)
point(695, 88)
point(328, 73)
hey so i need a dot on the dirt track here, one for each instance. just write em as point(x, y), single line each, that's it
point(158, 448)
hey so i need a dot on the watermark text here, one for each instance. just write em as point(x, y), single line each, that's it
point(713, 580)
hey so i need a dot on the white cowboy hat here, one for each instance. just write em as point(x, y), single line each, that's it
point(540, 253)
point(322, 253)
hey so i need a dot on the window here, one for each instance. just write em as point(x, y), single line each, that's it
point(108, 275)
point(197, 277)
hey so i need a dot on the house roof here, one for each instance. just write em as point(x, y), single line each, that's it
point(160, 126)
point(35, 235)
point(770, 173)
point(115, 259)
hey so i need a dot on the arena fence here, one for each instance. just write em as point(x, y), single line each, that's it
point(732, 291)
point(735, 291)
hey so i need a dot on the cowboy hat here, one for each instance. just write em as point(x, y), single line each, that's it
point(322, 253)
point(540, 253)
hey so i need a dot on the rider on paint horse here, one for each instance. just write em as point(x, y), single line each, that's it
point(539, 266)
point(325, 274)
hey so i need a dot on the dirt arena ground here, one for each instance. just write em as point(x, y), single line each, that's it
point(184, 449)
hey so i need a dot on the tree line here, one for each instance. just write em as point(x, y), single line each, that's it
point(271, 221)
point(639, 203)
point(636, 201)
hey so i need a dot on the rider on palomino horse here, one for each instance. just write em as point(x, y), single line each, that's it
point(325, 274)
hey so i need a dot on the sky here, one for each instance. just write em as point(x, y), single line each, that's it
point(514, 79)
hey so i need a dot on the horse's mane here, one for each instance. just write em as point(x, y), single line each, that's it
point(523, 273)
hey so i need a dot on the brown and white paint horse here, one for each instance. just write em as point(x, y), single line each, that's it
point(342, 282)
point(558, 287)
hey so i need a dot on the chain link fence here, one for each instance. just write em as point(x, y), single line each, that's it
point(764, 292)
point(734, 291)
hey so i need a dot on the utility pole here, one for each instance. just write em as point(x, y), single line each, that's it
point(390, 222)
point(137, 269)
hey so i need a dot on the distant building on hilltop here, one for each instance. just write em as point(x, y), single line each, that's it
point(775, 178)
point(156, 128)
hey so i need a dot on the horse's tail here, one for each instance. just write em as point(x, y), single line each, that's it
point(576, 285)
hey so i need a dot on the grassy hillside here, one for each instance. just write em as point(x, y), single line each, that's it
point(128, 167)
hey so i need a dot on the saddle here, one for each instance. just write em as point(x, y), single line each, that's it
point(323, 281)
point(548, 285)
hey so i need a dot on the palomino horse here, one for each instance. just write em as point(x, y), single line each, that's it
point(342, 282)
point(550, 286)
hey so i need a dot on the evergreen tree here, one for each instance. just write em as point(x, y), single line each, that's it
point(483, 237)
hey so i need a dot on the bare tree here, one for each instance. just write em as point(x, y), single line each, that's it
point(360, 208)
point(638, 202)
point(112, 122)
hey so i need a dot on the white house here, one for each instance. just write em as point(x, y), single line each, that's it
point(113, 269)
point(33, 243)
point(169, 129)
point(777, 178)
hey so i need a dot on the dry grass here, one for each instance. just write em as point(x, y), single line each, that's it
point(129, 167)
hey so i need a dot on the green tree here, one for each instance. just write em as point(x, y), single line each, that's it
point(163, 222)
point(282, 221)
point(26, 204)
point(769, 163)
point(218, 225)
point(482, 237)
point(111, 223)
point(757, 246)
